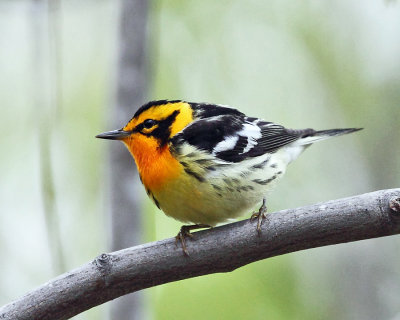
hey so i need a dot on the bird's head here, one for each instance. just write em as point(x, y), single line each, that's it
point(147, 134)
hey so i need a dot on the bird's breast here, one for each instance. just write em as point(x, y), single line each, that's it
point(156, 166)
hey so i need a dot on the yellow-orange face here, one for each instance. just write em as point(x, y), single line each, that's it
point(146, 136)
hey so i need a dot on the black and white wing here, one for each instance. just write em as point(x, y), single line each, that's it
point(234, 138)
point(230, 135)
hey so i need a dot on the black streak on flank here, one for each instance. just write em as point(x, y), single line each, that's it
point(260, 165)
point(194, 174)
point(244, 174)
point(222, 165)
point(227, 181)
point(245, 188)
point(202, 161)
point(191, 155)
point(156, 202)
point(185, 165)
point(264, 182)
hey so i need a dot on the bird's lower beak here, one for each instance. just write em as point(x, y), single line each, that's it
point(114, 135)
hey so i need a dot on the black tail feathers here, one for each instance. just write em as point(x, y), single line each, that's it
point(335, 132)
point(310, 136)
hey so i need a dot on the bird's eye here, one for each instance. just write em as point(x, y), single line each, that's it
point(149, 123)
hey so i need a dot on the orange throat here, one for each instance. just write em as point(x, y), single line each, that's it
point(156, 165)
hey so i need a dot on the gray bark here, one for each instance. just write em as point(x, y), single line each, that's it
point(125, 189)
point(221, 249)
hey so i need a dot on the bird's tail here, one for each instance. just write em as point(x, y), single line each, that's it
point(314, 136)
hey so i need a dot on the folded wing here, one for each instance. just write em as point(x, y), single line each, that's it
point(234, 138)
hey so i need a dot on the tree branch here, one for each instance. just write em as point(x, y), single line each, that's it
point(221, 249)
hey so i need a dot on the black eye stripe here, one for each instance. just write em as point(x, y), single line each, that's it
point(161, 128)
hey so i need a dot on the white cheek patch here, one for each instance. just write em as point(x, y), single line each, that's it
point(228, 144)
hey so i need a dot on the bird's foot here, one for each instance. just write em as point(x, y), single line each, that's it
point(260, 216)
point(185, 233)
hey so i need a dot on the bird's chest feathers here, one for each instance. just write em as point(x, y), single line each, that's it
point(156, 165)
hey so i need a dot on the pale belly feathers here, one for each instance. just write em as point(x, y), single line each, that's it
point(211, 192)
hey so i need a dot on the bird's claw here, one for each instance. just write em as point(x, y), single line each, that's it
point(185, 232)
point(260, 215)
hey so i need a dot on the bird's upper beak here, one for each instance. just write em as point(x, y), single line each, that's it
point(114, 135)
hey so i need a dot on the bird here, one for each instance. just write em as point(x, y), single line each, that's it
point(205, 164)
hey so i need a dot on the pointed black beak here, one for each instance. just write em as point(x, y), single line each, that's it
point(114, 135)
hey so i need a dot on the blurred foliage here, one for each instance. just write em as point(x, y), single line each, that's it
point(304, 65)
point(307, 64)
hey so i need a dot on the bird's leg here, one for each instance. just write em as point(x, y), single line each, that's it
point(260, 216)
point(185, 232)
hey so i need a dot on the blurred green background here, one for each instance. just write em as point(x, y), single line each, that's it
point(320, 64)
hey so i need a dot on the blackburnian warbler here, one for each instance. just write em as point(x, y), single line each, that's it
point(204, 163)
